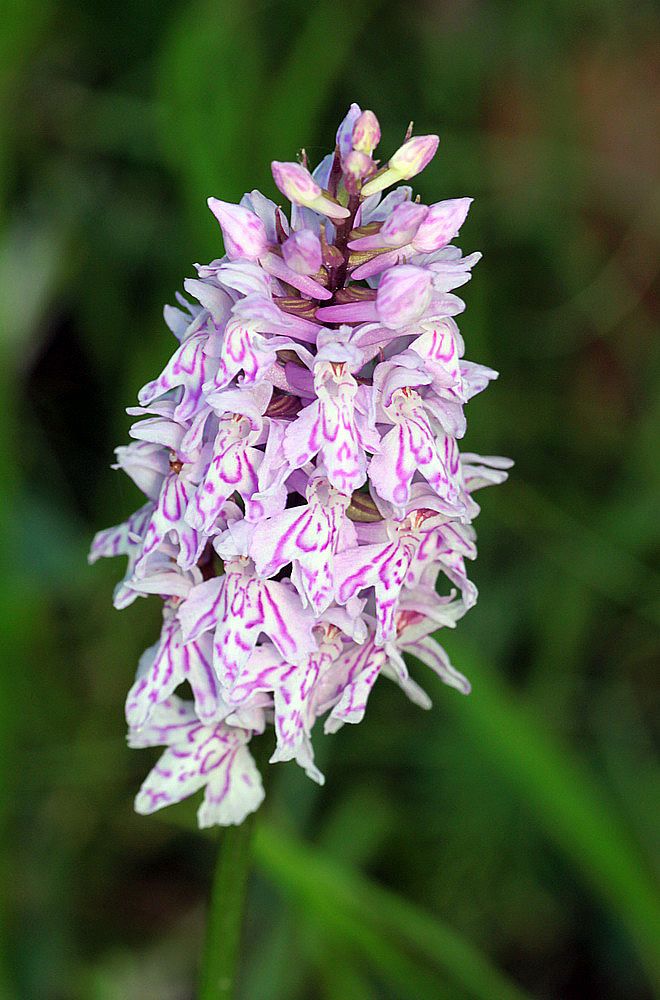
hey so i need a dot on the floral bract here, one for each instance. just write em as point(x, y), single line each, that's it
point(308, 511)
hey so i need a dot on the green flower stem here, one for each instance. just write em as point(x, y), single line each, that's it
point(225, 917)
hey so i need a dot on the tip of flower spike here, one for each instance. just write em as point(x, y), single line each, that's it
point(345, 130)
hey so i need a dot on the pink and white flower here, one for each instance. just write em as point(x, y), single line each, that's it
point(308, 512)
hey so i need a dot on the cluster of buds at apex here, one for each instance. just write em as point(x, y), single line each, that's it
point(408, 161)
point(308, 512)
point(357, 137)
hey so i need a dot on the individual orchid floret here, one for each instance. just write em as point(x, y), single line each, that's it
point(403, 296)
point(383, 566)
point(215, 758)
point(412, 447)
point(124, 539)
point(236, 459)
point(410, 230)
point(168, 664)
point(398, 230)
point(187, 370)
point(307, 537)
point(441, 225)
point(239, 607)
point(307, 513)
point(297, 184)
point(168, 522)
point(360, 667)
point(330, 427)
point(408, 161)
point(246, 238)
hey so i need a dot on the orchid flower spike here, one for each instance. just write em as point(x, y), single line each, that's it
point(307, 511)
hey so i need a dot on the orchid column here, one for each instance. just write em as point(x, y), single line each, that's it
point(308, 512)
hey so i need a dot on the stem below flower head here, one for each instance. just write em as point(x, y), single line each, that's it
point(225, 915)
point(226, 910)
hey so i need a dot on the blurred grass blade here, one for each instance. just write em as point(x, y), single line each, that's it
point(395, 967)
point(565, 798)
point(342, 979)
point(359, 908)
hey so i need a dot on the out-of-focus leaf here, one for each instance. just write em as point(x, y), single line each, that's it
point(363, 910)
point(343, 979)
point(581, 549)
point(565, 798)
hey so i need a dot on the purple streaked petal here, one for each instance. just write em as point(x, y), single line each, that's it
point(430, 653)
point(172, 663)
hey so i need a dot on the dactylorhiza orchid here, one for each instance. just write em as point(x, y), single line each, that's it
point(308, 512)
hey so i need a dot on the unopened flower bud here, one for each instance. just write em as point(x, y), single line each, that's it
point(297, 184)
point(403, 294)
point(345, 130)
point(442, 223)
point(403, 223)
point(398, 229)
point(366, 133)
point(408, 161)
point(302, 252)
point(243, 232)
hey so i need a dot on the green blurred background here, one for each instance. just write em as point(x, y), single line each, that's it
point(500, 846)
